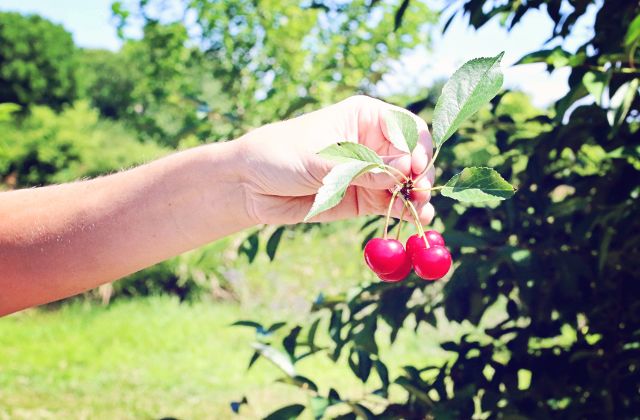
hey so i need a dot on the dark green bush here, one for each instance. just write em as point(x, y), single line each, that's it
point(548, 280)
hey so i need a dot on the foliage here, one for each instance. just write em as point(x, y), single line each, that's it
point(37, 61)
point(561, 258)
point(254, 58)
point(45, 147)
point(190, 276)
point(108, 79)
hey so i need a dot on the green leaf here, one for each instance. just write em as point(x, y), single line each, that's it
point(348, 152)
point(311, 336)
point(476, 185)
point(633, 33)
point(276, 326)
point(247, 323)
point(335, 185)
point(281, 360)
point(290, 341)
point(273, 242)
point(471, 86)
point(254, 358)
point(402, 130)
point(621, 103)
point(360, 364)
point(290, 412)
point(299, 381)
point(319, 406)
point(249, 246)
point(555, 58)
point(596, 82)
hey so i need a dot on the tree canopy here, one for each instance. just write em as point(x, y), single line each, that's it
point(37, 61)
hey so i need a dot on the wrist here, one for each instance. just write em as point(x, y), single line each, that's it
point(220, 171)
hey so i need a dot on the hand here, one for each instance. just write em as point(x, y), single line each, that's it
point(284, 172)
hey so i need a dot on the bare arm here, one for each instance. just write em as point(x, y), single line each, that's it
point(61, 240)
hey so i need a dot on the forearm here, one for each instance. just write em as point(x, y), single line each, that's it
point(61, 240)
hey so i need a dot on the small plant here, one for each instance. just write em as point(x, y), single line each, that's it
point(471, 86)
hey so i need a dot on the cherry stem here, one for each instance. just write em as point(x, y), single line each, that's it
point(389, 169)
point(401, 222)
point(429, 166)
point(386, 222)
point(416, 219)
point(429, 189)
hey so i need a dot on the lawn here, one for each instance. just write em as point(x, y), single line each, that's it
point(150, 358)
point(155, 357)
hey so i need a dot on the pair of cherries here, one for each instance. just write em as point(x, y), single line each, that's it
point(392, 263)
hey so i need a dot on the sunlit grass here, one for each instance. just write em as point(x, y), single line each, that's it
point(155, 357)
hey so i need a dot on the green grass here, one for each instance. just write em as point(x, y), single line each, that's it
point(155, 357)
point(149, 358)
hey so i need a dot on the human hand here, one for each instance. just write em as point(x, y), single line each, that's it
point(284, 172)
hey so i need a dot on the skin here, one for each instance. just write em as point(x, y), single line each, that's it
point(61, 240)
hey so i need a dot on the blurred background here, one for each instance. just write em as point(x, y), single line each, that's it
point(540, 317)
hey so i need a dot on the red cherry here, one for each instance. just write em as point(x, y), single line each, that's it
point(400, 274)
point(434, 238)
point(384, 256)
point(432, 263)
point(414, 243)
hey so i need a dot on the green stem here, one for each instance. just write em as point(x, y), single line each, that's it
point(386, 222)
point(429, 166)
point(401, 222)
point(429, 189)
point(391, 170)
point(416, 219)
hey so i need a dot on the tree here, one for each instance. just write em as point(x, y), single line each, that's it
point(37, 61)
point(548, 280)
point(258, 63)
point(108, 80)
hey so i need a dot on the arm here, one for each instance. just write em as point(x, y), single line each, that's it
point(61, 240)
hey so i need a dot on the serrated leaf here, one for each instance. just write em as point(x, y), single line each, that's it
point(477, 185)
point(471, 86)
point(335, 184)
point(348, 152)
point(402, 130)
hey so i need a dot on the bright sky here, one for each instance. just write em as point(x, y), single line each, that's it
point(91, 26)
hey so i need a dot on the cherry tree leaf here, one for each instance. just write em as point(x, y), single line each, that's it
point(620, 103)
point(402, 130)
point(471, 86)
point(335, 184)
point(596, 82)
point(477, 184)
point(347, 152)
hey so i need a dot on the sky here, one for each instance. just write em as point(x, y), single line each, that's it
point(91, 25)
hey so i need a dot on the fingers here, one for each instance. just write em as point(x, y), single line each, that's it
point(423, 152)
point(384, 181)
